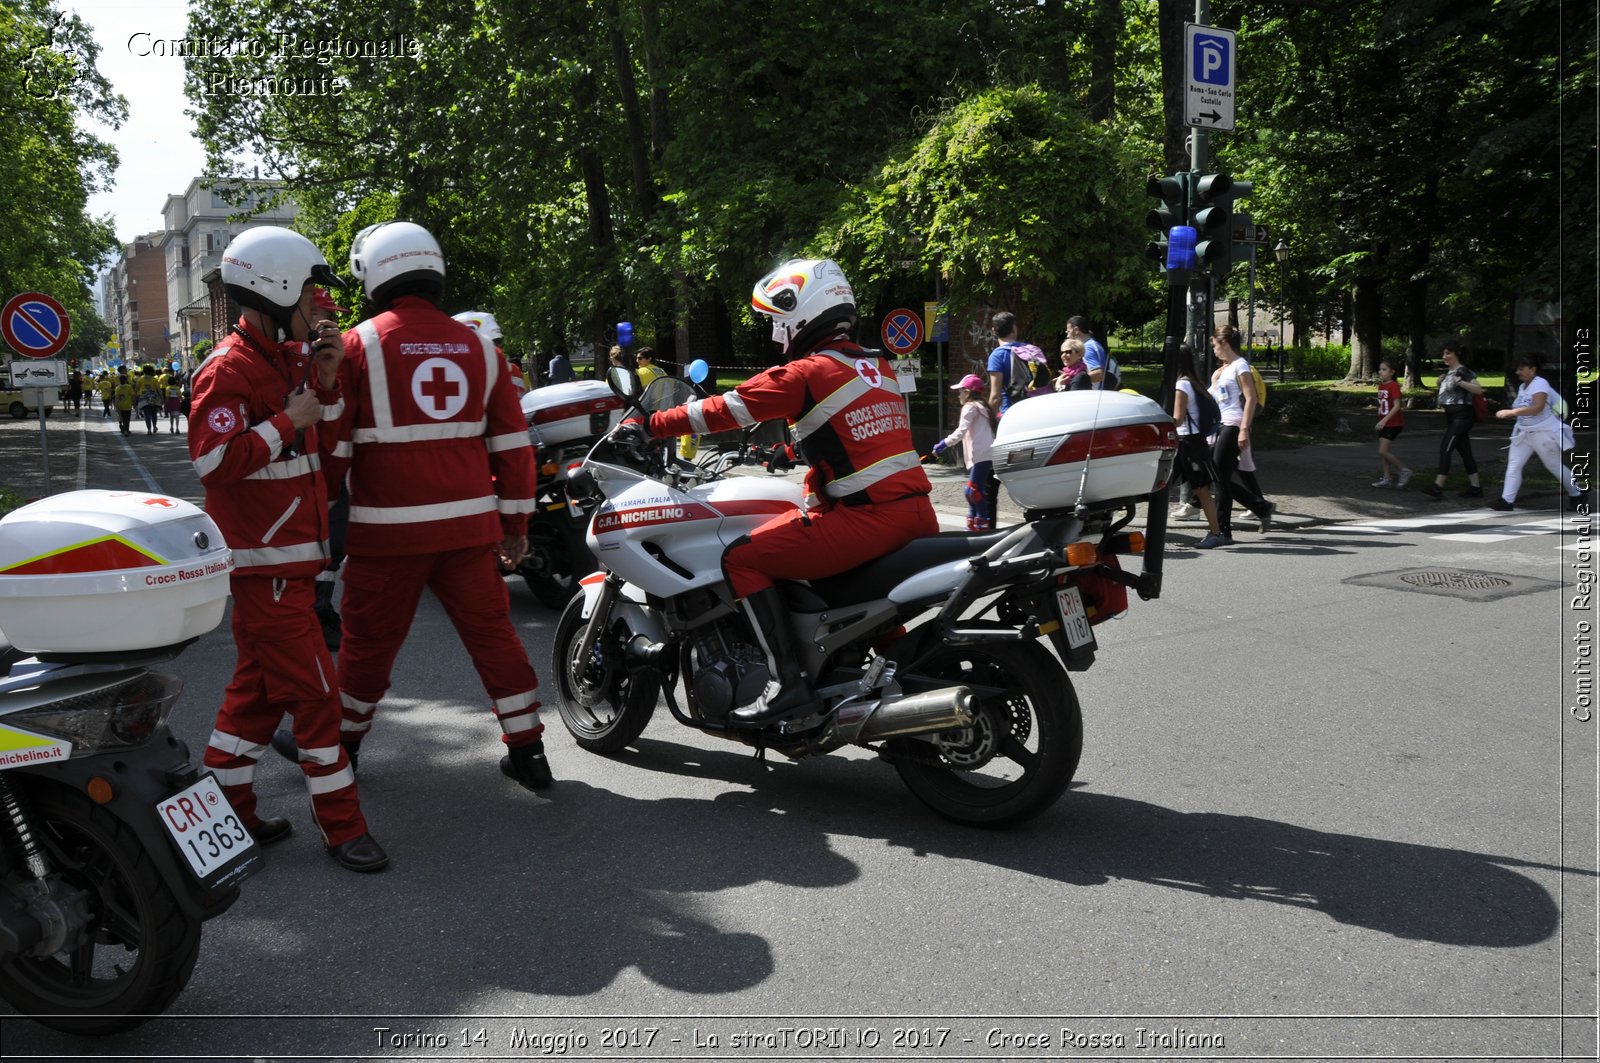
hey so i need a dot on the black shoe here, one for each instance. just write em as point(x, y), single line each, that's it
point(283, 744)
point(527, 766)
point(1266, 517)
point(769, 619)
point(269, 831)
point(1433, 491)
point(1500, 504)
point(360, 854)
point(1470, 492)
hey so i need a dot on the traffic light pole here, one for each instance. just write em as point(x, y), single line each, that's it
point(1200, 300)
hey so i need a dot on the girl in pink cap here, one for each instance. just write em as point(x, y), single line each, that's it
point(975, 433)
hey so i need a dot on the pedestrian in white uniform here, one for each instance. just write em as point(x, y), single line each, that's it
point(1538, 431)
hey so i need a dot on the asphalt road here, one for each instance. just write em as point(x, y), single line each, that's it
point(1320, 814)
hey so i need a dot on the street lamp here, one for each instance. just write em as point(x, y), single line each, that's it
point(1281, 253)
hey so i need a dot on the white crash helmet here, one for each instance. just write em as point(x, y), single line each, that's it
point(266, 268)
point(804, 297)
point(481, 322)
point(395, 258)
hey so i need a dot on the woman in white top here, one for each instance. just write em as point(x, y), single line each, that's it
point(1194, 456)
point(1538, 431)
point(1236, 398)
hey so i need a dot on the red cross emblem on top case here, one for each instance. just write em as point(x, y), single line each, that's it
point(869, 372)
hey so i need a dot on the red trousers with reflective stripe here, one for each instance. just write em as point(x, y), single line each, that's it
point(825, 542)
point(283, 667)
point(380, 601)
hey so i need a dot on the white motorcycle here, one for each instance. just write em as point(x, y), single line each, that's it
point(935, 657)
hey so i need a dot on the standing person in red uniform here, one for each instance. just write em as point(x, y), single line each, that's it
point(866, 491)
point(441, 485)
point(483, 323)
point(256, 440)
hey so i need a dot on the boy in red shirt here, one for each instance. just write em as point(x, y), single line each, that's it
point(1391, 422)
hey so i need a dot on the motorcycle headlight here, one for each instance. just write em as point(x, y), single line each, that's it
point(117, 715)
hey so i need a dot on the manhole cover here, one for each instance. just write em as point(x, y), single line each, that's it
point(1465, 581)
point(1454, 583)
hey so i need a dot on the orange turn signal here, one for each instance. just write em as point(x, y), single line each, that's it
point(1084, 553)
point(548, 469)
point(100, 790)
point(1136, 542)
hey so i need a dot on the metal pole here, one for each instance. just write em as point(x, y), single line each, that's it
point(1197, 162)
point(1250, 318)
point(44, 444)
point(939, 369)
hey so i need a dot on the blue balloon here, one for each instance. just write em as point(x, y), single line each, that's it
point(698, 370)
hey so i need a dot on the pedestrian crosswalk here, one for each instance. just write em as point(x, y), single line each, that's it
point(1477, 526)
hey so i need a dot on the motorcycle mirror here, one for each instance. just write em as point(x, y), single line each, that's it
point(698, 371)
point(621, 381)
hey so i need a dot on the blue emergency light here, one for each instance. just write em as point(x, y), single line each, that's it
point(625, 328)
point(1180, 247)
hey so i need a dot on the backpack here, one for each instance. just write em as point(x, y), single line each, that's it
point(1206, 413)
point(1029, 372)
point(1261, 387)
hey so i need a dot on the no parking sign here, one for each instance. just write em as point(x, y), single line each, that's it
point(902, 331)
point(35, 325)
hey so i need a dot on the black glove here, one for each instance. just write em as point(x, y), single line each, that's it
point(633, 436)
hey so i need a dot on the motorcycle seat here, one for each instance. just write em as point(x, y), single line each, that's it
point(877, 578)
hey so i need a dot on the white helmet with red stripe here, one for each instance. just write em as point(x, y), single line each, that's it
point(481, 322)
point(805, 297)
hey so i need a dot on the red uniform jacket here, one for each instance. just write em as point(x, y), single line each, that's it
point(268, 495)
point(848, 417)
point(437, 445)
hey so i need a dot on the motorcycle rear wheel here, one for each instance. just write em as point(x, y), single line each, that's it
point(140, 947)
point(610, 709)
point(1021, 751)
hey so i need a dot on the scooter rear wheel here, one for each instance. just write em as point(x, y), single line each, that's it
point(139, 948)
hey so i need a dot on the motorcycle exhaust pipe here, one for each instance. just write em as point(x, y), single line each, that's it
point(937, 710)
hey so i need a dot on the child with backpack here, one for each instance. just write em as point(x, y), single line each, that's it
point(1391, 422)
point(975, 432)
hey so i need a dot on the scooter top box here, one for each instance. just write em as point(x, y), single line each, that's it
point(109, 571)
point(1056, 451)
point(559, 413)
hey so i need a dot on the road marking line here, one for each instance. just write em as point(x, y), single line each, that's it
point(139, 465)
point(83, 452)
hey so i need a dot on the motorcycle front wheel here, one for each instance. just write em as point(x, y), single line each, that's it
point(1020, 752)
point(139, 948)
point(610, 707)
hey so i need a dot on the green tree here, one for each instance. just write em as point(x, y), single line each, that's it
point(49, 165)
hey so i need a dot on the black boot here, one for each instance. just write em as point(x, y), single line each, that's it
point(283, 744)
point(770, 619)
point(528, 766)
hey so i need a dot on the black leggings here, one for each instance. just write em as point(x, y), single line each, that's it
point(1225, 456)
point(1458, 422)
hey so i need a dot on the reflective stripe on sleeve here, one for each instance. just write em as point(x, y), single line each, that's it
point(269, 435)
point(697, 418)
point(466, 507)
point(509, 441)
point(288, 470)
point(741, 413)
point(207, 463)
point(518, 505)
point(344, 449)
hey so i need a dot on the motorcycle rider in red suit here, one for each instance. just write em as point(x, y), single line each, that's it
point(441, 485)
point(257, 440)
point(866, 491)
point(483, 323)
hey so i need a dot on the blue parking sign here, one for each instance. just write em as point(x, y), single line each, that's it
point(1212, 61)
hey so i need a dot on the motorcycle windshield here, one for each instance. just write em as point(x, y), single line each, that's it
point(666, 392)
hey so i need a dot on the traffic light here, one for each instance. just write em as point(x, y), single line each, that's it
point(1211, 198)
point(1173, 193)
